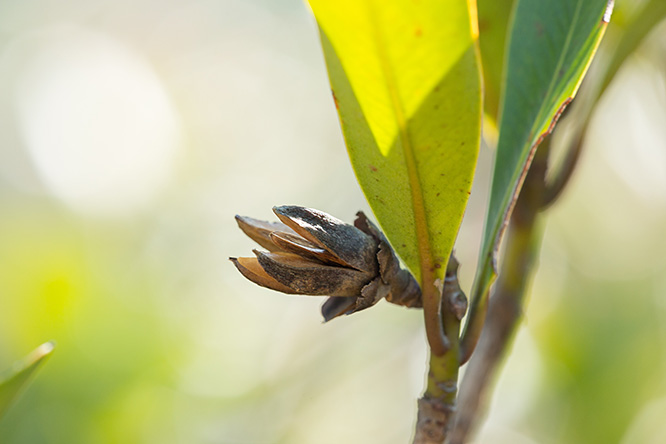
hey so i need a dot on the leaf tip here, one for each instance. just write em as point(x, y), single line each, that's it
point(609, 11)
point(43, 350)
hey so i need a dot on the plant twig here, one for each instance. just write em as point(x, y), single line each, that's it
point(505, 306)
point(437, 406)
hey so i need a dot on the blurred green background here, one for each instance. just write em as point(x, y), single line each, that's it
point(131, 133)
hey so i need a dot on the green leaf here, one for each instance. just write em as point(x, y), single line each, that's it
point(551, 46)
point(493, 25)
point(406, 82)
point(16, 379)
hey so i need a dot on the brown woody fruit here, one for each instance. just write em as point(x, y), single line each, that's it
point(313, 253)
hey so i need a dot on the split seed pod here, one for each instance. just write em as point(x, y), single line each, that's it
point(313, 253)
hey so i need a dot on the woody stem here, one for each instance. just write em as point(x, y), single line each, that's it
point(437, 406)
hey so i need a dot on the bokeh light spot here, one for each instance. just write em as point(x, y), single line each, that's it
point(97, 121)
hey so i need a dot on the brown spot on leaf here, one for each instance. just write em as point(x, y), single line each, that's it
point(418, 32)
point(483, 25)
point(335, 100)
point(539, 28)
point(373, 168)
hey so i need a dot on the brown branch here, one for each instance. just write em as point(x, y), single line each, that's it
point(433, 420)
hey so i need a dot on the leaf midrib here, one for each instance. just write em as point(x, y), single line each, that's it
point(560, 62)
point(418, 201)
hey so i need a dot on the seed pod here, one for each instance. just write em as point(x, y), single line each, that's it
point(313, 253)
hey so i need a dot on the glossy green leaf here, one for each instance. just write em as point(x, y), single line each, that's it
point(551, 45)
point(628, 37)
point(494, 18)
point(406, 83)
point(15, 380)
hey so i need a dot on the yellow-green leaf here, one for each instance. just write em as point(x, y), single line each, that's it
point(406, 82)
point(15, 380)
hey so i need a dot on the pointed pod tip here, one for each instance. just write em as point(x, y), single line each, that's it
point(286, 210)
point(290, 214)
point(240, 220)
point(247, 221)
point(234, 260)
point(254, 272)
point(337, 306)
